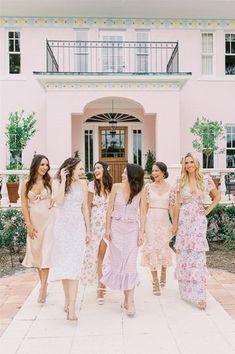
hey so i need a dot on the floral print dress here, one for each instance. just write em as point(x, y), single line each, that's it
point(97, 224)
point(191, 244)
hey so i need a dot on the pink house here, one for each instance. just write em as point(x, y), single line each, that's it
point(113, 82)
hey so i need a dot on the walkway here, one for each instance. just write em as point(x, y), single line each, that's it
point(163, 325)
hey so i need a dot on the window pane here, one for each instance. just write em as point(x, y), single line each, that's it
point(227, 47)
point(228, 140)
point(230, 158)
point(17, 34)
point(113, 144)
point(11, 35)
point(207, 65)
point(233, 47)
point(11, 45)
point(14, 63)
point(137, 147)
point(230, 64)
point(17, 46)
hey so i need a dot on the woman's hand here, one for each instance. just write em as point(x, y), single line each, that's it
point(108, 235)
point(88, 237)
point(174, 229)
point(63, 174)
point(140, 240)
point(31, 231)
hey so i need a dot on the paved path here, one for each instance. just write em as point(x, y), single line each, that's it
point(163, 325)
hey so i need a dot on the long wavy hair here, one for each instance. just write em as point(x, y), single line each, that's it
point(135, 174)
point(70, 165)
point(184, 178)
point(33, 171)
point(107, 179)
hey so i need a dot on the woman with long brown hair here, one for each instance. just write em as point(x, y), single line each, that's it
point(190, 227)
point(39, 219)
point(125, 232)
point(98, 194)
point(72, 230)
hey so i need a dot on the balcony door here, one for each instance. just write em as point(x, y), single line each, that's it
point(113, 148)
point(112, 52)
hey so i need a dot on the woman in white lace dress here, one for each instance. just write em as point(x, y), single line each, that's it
point(72, 230)
point(98, 195)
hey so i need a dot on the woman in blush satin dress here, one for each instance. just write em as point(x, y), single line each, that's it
point(72, 230)
point(190, 227)
point(125, 231)
point(98, 194)
point(39, 218)
point(156, 252)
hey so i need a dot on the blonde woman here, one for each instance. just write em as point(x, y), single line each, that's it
point(190, 227)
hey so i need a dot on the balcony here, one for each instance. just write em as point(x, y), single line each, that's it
point(112, 57)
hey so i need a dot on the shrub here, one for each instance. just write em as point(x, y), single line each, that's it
point(12, 230)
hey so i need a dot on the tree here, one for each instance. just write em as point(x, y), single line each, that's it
point(208, 133)
point(150, 159)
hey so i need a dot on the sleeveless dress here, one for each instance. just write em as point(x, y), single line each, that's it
point(191, 245)
point(156, 251)
point(69, 237)
point(123, 247)
point(39, 250)
point(97, 225)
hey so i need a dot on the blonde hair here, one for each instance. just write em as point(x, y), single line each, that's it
point(184, 178)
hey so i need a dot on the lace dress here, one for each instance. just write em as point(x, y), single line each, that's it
point(156, 251)
point(69, 235)
point(39, 250)
point(97, 223)
point(191, 244)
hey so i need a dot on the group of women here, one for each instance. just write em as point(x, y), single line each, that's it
point(93, 233)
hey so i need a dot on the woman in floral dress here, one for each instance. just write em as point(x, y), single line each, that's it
point(156, 251)
point(190, 227)
point(98, 195)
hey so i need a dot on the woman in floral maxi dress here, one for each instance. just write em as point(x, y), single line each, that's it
point(190, 227)
point(96, 251)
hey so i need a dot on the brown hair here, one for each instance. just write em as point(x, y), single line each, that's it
point(70, 165)
point(135, 174)
point(107, 179)
point(162, 167)
point(36, 161)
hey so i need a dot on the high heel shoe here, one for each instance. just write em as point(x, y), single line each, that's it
point(156, 288)
point(130, 311)
point(201, 305)
point(100, 299)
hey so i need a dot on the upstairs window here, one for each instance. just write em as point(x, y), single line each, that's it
point(230, 54)
point(207, 53)
point(14, 54)
point(142, 52)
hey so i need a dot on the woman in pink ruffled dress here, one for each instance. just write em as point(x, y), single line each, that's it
point(156, 253)
point(190, 227)
point(125, 231)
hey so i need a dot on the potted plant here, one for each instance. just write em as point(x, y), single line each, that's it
point(150, 159)
point(19, 130)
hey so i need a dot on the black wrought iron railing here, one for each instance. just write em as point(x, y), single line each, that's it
point(119, 57)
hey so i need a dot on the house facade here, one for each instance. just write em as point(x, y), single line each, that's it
point(114, 88)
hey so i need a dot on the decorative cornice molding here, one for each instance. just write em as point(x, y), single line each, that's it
point(107, 83)
point(119, 23)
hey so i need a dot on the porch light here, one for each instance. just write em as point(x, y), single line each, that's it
point(113, 121)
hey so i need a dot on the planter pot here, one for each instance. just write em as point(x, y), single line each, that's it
point(12, 188)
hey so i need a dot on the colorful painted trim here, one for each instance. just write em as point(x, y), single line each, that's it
point(119, 23)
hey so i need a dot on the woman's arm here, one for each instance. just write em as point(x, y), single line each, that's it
point(143, 212)
point(85, 211)
point(31, 231)
point(215, 196)
point(58, 188)
point(110, 210)
point(90, 201)
point(175, 213)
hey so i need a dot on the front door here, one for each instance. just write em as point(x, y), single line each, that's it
point(113, 149)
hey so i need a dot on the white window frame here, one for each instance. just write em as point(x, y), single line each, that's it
point(226, 54)
point(15, 30)
point(85, 53)
point(207, 54)
point(229, 148)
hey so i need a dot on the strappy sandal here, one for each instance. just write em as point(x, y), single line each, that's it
point(156, 288)
point(71, 317)
point(130, 313)
point(201, 305)
point(163, 278)
point(42, 294)
point(100, 300)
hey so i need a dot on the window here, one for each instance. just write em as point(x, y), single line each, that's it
point(137, 147)
point(230, 54)
point(207, 53)
point(88, 150)
point(14, 55)
point(230, 146)
point(142, 52)
point(81, 52)
point(113, 144)
point(113, 59)
point(208, 163)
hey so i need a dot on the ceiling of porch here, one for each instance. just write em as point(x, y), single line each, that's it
point(201, 9)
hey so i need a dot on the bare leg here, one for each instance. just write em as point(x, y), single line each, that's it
point(73, 290)
point(101, 254)
point(43, 276)
point(156, 285)
point(125, 299)
point(163, 277)
point(130, 303)
point(65, 283)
